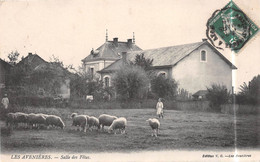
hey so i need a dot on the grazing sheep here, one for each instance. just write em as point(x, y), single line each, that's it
point(30, 120)
point(54, 120)
point(79, 120)
point(105, 120)
point(119, 123)
point(21, 118)
point(45, 115)
point(155, 124)
point(93, 122)
point(10, 120)
point(36, 120)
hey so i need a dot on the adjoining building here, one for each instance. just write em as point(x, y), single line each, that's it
point(107, 53)
point(194, 66)
point(35, 63)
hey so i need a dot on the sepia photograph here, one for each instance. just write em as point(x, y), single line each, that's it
point(132, 80)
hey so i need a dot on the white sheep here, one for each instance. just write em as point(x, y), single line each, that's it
point(36, 120)
point(10, 120)
point(54, 120)
point(21, 118)
point(118, 124)
point(30, 120)
point(79, 120)
point(105, 120)
point(92, 122)
point(155, 124)
point(45, 115)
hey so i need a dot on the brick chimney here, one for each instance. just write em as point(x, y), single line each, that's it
point(115, 41)
point(129, 43)
point(204, 39)
point(30, 54)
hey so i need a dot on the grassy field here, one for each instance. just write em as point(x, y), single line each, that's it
point(180, 130)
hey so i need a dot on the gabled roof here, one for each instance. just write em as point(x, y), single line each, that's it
point(56, 68)
point(112, 67)
point(170, 56)
point(200, 93)
point(39, 64)
point(109, 51)
point(5, 64)
point(167, 56)
point(33, 60)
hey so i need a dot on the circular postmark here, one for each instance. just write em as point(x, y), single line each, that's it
point(230, 27)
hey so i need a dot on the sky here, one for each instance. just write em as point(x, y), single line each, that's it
point(69, 29)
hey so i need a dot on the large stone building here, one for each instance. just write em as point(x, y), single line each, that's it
point(106, 54)
point(194, 66)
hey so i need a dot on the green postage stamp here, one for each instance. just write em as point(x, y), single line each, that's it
point(232, 25)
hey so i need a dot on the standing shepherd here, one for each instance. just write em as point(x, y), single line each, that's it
point(159, 108)
point(5, 103)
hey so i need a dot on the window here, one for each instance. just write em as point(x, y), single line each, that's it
point(92, 72)
point(106, 81)
point(203, 56)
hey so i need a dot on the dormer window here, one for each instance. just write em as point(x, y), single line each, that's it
point(94, 52)
point(203, 56)
point(162, 74)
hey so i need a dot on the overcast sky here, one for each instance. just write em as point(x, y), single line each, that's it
point(70, 29)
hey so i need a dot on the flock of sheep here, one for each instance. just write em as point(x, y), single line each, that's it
point(33, 120)
point(82, 122)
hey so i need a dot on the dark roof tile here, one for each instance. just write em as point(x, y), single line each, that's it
point(109, 51)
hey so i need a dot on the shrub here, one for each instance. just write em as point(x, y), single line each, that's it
point(250, 94)
point(164, 87)
point(217, 95)
point(143, 62)
point(130, 82)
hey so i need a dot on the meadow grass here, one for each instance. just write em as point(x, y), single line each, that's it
point(180, 130)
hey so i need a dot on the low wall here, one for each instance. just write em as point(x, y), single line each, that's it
point(239, 109)
point(193, 105)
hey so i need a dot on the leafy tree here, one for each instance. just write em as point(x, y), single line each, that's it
point(244, 89)
point(250, 94)
point(130, 82)
point(48, 79)
point(78, 86)
point(217, 95)
point(143, 62)
point(56, 61)
point(18, 76)
point(83, 84)
point(164, 87)
point(13, 57)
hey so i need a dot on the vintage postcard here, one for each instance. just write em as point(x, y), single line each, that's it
point(132, 80)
